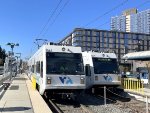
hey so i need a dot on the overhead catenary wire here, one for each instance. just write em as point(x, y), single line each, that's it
point(63, 7)
point(140, 5)
point(109, 11)
point(49, 19)
point(107, 22)
point(37, 42)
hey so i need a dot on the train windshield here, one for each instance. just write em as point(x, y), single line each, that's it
point(105, 66)
point(64, 63)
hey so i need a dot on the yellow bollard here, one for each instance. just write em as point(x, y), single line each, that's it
point(134, 85)
point(137, 87)
point(142, 87)
point(127, 83)
point(124, 81)
point(130, 84)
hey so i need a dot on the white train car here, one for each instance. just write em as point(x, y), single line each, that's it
point(101, 69)
point(58, 69)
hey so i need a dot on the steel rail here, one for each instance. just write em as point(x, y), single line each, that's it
point(57, 108)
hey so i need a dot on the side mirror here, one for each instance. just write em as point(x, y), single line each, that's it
point(87, 70)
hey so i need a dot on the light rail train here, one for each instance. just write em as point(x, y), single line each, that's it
point(58, 69)
point(101, 69)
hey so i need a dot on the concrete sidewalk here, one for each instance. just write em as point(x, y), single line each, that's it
point(20, 97)
point(16, 99)
point(140, 95)
point(145, 92)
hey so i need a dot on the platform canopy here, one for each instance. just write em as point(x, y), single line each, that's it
point(142, 55)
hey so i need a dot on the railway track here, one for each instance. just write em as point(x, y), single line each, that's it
point(60, 105)
point(114, 97)
point(124, 102)
point(118, 96)
point(87, 103)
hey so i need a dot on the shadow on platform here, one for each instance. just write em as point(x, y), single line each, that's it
point(13, 109)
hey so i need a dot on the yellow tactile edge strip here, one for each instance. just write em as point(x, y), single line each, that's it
point(38, 104)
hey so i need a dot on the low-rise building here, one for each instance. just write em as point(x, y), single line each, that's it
point(108, 41)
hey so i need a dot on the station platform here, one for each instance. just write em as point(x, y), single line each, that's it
point(143, 95)
point(20, 97)
point(144, 92)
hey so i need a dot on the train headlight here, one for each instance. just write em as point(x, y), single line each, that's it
point(96, 78)
point(81, 80)
point(48, 80)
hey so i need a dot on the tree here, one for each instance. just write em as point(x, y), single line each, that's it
point(0, 52)
point(2, 56)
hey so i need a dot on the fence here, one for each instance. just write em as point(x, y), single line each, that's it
point(133, 84)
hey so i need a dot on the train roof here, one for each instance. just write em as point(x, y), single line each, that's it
point(58, 48)
point(101, 54)
point(63, 48)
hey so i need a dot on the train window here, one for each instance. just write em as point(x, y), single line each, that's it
point(41, 72)
point(38, 67)
point(105, 65)
point(64, 63)
point(32, 69)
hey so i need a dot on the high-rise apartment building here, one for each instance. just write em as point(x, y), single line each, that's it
point(132, 21)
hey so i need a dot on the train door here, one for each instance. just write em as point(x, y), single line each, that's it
point(41, 70)
point(41, 74)
point(41, 81)
point(88, 75)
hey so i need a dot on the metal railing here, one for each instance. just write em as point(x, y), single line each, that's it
point(133, 84)
point(4, 78)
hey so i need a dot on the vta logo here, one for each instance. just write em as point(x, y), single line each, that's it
point(66, 80)
point(108, 78)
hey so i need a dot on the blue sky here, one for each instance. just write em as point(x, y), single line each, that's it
point(21, 21)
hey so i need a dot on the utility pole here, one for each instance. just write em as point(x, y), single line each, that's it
point(12, 45)
point(19, 64)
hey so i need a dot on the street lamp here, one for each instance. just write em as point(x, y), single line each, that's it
point(12, 45)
